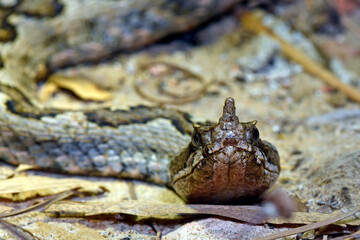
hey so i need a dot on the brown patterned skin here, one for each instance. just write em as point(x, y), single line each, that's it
point(225, 162)
point(135, 143)
point(222, 163)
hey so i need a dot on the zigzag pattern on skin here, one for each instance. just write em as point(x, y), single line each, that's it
point(136, 143)
point(95, 143)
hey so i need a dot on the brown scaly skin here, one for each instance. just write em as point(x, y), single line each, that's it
point(225, 162)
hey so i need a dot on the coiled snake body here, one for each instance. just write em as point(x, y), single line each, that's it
point(209, 163)
point(222, 162)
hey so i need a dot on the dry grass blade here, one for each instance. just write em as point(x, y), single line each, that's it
point(253, 23)
point(312, 226)
point(17, 231)
point(39, 205)
point(21, 233)
point(353, 236)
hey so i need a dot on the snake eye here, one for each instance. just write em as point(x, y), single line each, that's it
point(196, 139)
point(255, 133)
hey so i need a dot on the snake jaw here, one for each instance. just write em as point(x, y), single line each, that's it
point(225, 162)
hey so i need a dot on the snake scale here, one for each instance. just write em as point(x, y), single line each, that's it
point(222, 162)
point(212, 163)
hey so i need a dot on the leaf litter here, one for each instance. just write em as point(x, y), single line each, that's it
point(33, 186)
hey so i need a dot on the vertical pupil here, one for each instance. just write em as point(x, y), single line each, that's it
point(196, 139)
point(256, 133)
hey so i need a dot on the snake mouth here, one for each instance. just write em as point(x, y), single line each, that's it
point(276, 171)
point(223, 180)
point(269, 167)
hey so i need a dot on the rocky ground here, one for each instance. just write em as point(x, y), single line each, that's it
point(315, 127)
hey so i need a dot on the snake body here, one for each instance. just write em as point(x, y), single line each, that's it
point(134, 143)
point(221, 162)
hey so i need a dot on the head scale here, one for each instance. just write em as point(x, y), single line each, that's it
point(229, 112)
point(224, 162)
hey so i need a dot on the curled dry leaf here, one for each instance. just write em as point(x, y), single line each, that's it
point(21, 168)
point(47, 91)
point(21, 188)
point(82, 88)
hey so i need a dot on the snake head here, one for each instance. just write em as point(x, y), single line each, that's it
point(225, 162)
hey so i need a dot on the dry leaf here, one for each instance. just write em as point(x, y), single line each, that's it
point(307, 218)
point(21, 168)
point(252, 214)
point(58, 230)
point(5, 209)
point(47, 91)
point(80, 87)
point(24, 167)
point(21, 188)
point(6, 172)
point(132, 207)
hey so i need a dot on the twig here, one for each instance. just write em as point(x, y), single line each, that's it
point(311, 226)
point(17, 231)
point(253, 23)
point(39, 205)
